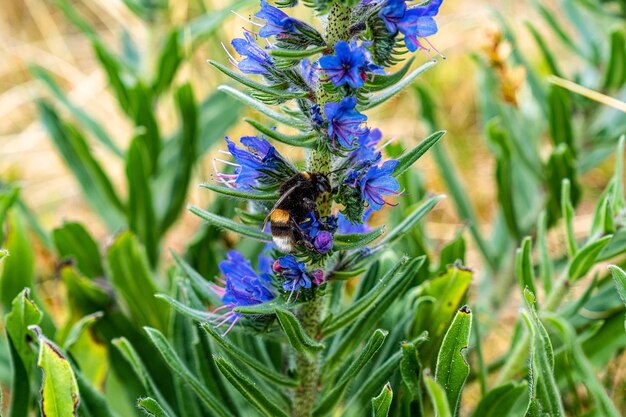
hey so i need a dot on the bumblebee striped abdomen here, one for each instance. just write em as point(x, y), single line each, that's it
point(282, 229)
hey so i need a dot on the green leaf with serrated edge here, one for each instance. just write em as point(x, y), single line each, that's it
point(86, 169)
point(437, 397)
point(296, 54)
point(334, 396)
point(228, 224)
point(356, 240)
point(305, 140)
point(133, 282)
point(235, 352)
point(408, 158)
point(178, 367)
point(18, 270)
point(542, 361)
point(59, 390)
point(296, 335)
point(619, 276)
point(24, 313)
point(586, 257)
point(77, 112)
point(186, 156)
point(201, 28)
point(170, 58)
point(349, 315)
point(73, 241)
point(385, 95)
point(452, 368)
point(134, 360)
point(356, 333)
point(240, 193)
point(377, 82)
point(262, 401)
point(502, 401)
point(262, 108)
point(382, 403)
point(256, 86)
point(524, 266)
point(152, 408)
point(567, 210)
point(77, 330)
point(410, 220)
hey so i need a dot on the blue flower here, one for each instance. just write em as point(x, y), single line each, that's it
point(257, 61)
point(392, 12)
point(319, 233)
point(344, 122)
point(365, 151)
point(414, 23)
point(308, 72)
point(277, 22)
point(345, 66)
point(347, 227)
point(378, 182)
point(317, 120)
point(310, 226)
point(294, 273)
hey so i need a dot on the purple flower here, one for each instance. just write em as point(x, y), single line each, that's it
point(346, 66)
point(378, 182)
point(392, 13)
point(257, 61)
point(277, 22)
point(414, 23)
point(344, 122)
point(242, 287)
point(319, 233)
point(365, 151)
point(294, 274)
point(323, 242)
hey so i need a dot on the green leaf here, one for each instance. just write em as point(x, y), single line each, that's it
point(524, 266)
point(452, 368)
point(235, 352)
point(437, 397)
point(377, 82)
point(240, 193)
point(59, 391)
point(18, 269)
point(262, 401)
point(567, 210)
point(269, 307)
point(93, 180)
point(376, 100)
point(411, 372)
point(410, 220)
point(262, 108)
point(133, 282)
point(296, 54)
point(502, 401)
point(296, 335)
point(119, 79)
point(200, 285)
point(187, 156)
point(586, 257)
point(305, 140)
point(560, 117)
point(356, 240)
point(548, 56)
point(619, 276)
point(151, 407)
point(545, 265)
point(74, 242)
point(408, 158)
point(329, 401)
point(178, 367)
point(363, 304)
point(77, 112)
point(200, 316)
point(170, 58)
point(382, 403)
point(615, 75)
point(24, 313)
point(228, 224)
point(78, 329)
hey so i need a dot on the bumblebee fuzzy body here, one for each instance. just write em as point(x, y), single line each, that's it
point(297, 199)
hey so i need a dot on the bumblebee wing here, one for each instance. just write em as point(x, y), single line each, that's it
point(278, 202)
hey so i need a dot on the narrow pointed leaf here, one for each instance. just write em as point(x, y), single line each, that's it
point(249, 390)
point(586, 257)
point(452, 368)
point(411, 220)
point(524, 266)
point(239, 193)
point(501, 401)
point(619, 276)
point(296, 54)
point(74, 242)
point(411, 371)
point(408, 158)
point(305, 140)
point(377, 82)
point(79, 328)
point(228, 224)
point(382, 403)
point(152, 408)
point(170, 58)
point(356, 240)
point(269, 307)
point(567, 210)
point(200, 316)
point(296, 335)
point(437, 397)
point(196, 32)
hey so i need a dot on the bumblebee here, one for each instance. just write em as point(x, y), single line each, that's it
point(297, 199)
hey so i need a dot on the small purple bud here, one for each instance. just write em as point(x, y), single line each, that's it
point(318, 276)
point(276, 267)
point(323, 241)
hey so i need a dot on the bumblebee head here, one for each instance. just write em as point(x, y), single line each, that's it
point(321, 182)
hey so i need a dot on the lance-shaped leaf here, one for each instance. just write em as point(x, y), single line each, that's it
point(18, 270)
point(152, 408)
point(262, 108)
point(330, 400)
point(410, 220)
point(353, 312)
point(452, 368)
point(201, 28)
point(411, 372)
point(567, 210)
point(59, 390)
point(73, 241)
point(586, 257)
point(615, 75)
point(503, 401)
point(269, 307)
point(356, 240)
point(199, 284)
point(134, 360)
point(296, 335)
point(77, 330)
point(377, 82)
point(170, 58)
point(408, 158)
point(262, 401)
point(305, 140)
point(437, 397)
point(619, 276)
point(382, 403)
point(24, 313)
point(545, 262)
point(200, 316)
point(524, 266)
point(235, 352)
point(395, 89)
point(227, 224)
point(296, 54)
point(180, 369)
point(541, 367)
point(239, 193)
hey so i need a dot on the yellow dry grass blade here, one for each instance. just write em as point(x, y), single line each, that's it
point(589, 93)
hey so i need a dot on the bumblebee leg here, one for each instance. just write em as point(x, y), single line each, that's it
point(310, 205)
